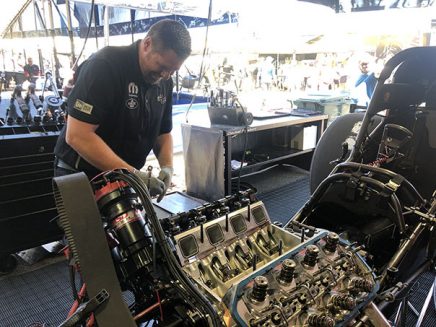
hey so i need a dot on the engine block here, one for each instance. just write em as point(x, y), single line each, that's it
point(259, 274)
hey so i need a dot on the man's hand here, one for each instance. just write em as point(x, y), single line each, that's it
point(155, 185)
point(165, 175)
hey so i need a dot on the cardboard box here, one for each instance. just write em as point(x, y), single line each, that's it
point(303, 138)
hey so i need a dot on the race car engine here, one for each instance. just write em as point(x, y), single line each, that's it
point(221, 264)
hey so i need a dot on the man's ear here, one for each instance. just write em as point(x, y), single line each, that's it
point(147, 43)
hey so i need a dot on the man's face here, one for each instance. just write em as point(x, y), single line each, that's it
point(364, 67)
point(157, 65)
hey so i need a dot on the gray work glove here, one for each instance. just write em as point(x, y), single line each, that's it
point(165, 175)
point(155, 185)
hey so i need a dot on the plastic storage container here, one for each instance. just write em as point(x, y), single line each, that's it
point(333, 105)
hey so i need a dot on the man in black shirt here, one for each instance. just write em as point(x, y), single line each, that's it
point(121, 107)
point(31, 70)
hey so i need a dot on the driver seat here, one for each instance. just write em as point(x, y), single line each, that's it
point(425, 161)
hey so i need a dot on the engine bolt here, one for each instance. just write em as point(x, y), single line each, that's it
point(332, 241)
point(260, 288)
point(311, 255)
point(287, 272)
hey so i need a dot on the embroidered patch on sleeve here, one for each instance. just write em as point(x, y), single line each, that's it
point(83, 106)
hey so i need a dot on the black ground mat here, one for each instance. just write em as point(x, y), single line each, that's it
point(274, 177)
point(284, 189)
point(285, 201)
point(418, 293)
point(40, 296)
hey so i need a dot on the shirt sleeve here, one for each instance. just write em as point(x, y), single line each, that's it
point(167, 118)
point(94, 92)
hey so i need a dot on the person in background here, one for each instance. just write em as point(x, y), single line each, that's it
point(68, 87)
point(226, 72)
point(253, 69)
point(121, 108)
point(364, 85)
point(31, 70)
point(18, 63)
point(267, 73)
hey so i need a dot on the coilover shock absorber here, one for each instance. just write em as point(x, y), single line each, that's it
point(119, 206)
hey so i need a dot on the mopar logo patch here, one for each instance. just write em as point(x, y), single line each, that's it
point(132, 103)
point(133, 89)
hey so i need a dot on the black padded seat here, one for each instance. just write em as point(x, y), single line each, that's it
point(329, 147)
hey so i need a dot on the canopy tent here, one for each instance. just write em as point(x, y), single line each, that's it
point(293, 26)
point(35, 20)
point(25, 17)
point(239, 26)
point(123, 21)
point(10, 12)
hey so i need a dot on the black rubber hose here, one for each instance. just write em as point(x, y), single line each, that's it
point(346, 176)
point(144, 196)
point(380, 171)
point(188, 286)
point(319, 191)
point(398, 213)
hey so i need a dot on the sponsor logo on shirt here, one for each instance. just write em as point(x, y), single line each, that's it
point(83, 106)
point(133, 89)
point(132, 102)
point(161, 99)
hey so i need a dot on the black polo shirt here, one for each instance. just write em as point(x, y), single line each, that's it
point(31, 70)
point(111, 92)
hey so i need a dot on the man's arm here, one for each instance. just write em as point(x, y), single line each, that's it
point(163, 149)
point(82, 138)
